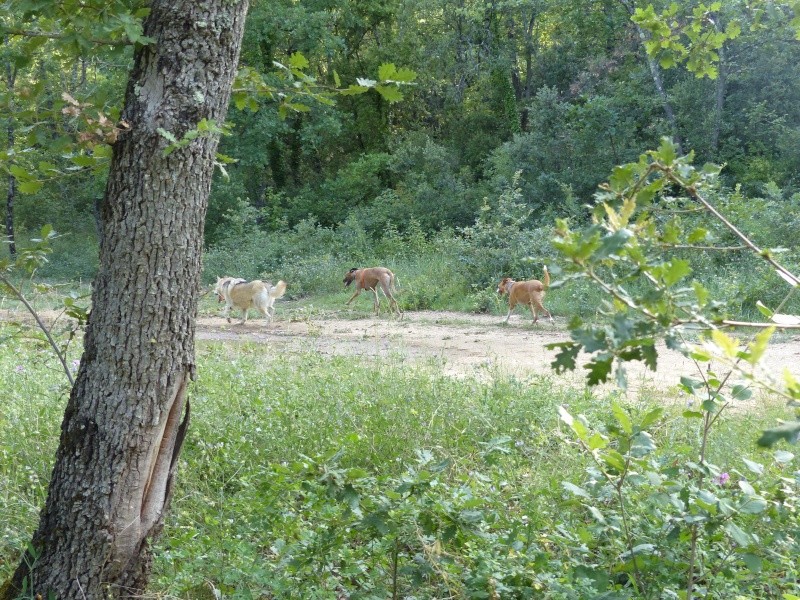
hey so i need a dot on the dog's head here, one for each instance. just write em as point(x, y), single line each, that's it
point(224, 284)
point(219, 287)
point(504, 285)
point(350, 276)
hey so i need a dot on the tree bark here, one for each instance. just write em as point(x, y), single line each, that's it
point(128, 411)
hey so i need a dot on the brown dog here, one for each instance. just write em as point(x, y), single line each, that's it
point(370, 279)
point(529, 293)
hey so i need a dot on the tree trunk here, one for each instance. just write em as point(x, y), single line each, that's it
point(719, 96)
point(11, 195)
point(655, 73)
point(127, 413)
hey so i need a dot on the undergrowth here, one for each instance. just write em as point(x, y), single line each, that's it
point(307, 476)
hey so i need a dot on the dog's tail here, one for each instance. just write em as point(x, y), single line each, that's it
point(546, 278)
point(393, 283)
point(279, 290)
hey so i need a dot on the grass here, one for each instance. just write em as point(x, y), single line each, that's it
point(285, 449)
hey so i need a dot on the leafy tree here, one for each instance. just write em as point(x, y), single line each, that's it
point(127, 413)
point(632, 253)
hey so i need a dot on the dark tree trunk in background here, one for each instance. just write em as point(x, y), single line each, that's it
point(11, 195)
point(720, 90)
point(658, 82)
point(127, 413)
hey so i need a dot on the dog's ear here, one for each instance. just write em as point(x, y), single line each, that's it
point(353, 270)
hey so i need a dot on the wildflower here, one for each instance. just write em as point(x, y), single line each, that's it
point(722, 479)
point(19, 369)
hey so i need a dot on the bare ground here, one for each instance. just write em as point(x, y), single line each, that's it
point(459, 344)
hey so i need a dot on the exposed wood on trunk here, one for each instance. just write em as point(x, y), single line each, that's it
point(124, 423)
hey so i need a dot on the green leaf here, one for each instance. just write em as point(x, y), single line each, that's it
point(753, 562)
point(667, 151)
point(297, 107)
point(599, 370)
point(169, 136)
point(575, 490)
point(622, 418)
point(597, 514)
point(577, 426)
point(20, 173)
point(386, 71)
point(675, 270)
point(566, 358)
point(610, 245)
point(298, 61)
point(614, 459)
point(738, 535)
point(389, 93)
point(30, 187)
point(689, 385)
point(756, 348)
point(788, 431)
point(755, 467)
point(698, 235)
point(741, 392)
point(353, 90)
point(764, 310)
point(728, 345)
point(597, 441)
point(651, 417)
point(650, 356)
point(753, 505)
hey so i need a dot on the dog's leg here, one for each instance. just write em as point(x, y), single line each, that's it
point(353, 297)
point(226, 312)
point(511, 306)
point(541, 307)
point(377, 300)
point(387, 286)
point(533, 311)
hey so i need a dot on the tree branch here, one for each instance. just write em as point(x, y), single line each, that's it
point(41, 325)
point(57, 35)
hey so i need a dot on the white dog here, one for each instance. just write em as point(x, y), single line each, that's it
point(244, 295)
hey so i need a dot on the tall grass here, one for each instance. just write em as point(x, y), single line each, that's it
point(287, 450)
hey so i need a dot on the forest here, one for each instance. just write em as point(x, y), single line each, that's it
point(542, 97)
point(647, 154)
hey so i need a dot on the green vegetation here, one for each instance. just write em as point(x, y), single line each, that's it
point(314, 477)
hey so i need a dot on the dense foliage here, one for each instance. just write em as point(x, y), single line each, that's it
point(516, 113)
point(559, 93)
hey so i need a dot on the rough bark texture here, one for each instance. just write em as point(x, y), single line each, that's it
point(127, 412)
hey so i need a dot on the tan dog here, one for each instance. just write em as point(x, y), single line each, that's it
point(244, 295)
point(530, 293)
point(371, 279)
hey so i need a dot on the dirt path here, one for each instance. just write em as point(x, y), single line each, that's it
point(458, 343)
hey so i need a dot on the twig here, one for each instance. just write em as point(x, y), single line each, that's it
point(41, 325)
